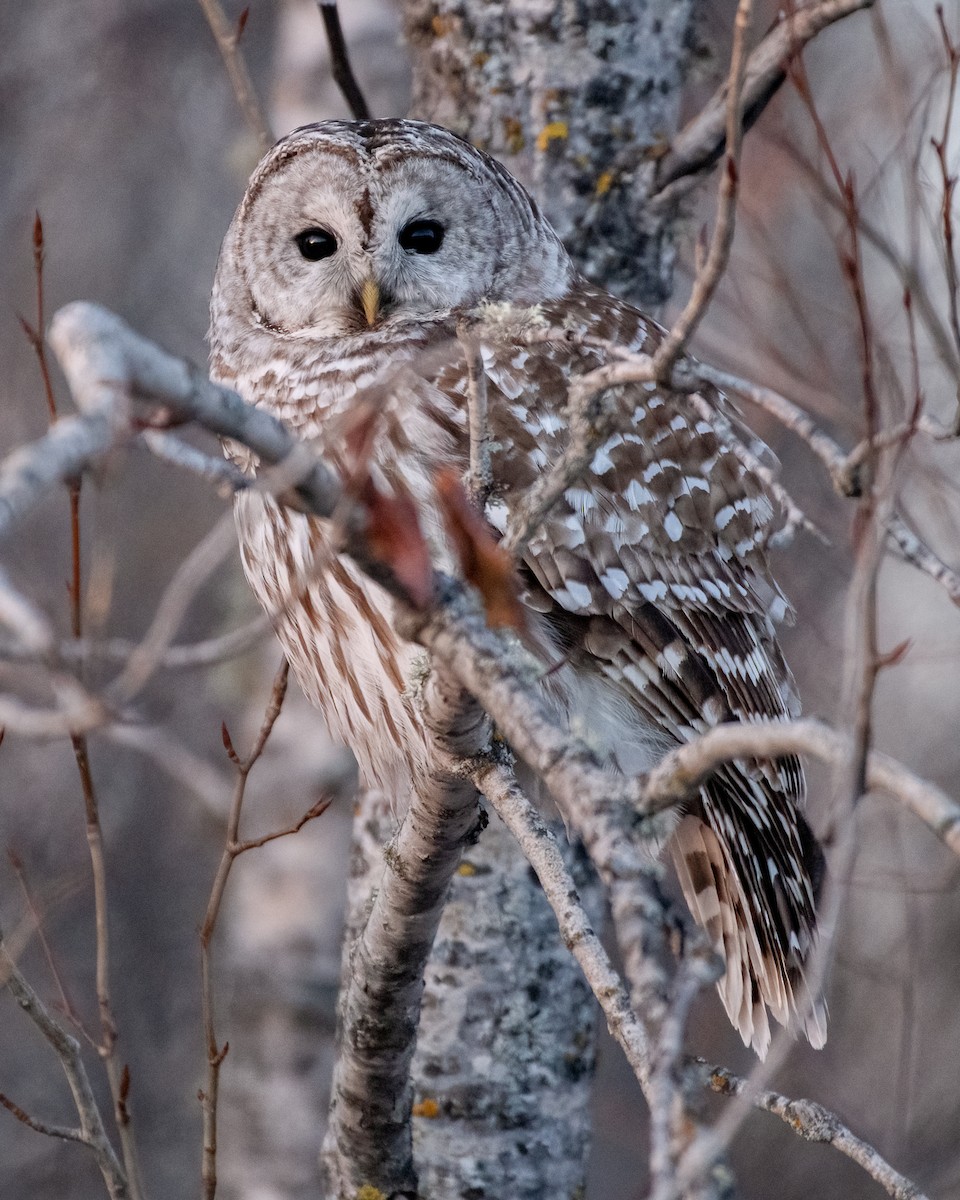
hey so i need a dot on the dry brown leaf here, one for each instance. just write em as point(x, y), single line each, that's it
point(483, 562)
point(394, 538)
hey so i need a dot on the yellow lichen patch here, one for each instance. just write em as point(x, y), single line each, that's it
point(513, 134)
point(427, 1108)
point(466, 869)
point(442, 25)
point(369, 1192)
point(556, 131)
point(604, 183)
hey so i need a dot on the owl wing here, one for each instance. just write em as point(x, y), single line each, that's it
point(652, 570)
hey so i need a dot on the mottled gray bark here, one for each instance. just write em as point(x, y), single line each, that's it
point(577, 99)
point(368, 1142)
point(505, 1058)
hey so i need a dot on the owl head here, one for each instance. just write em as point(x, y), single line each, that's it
point(353, 226)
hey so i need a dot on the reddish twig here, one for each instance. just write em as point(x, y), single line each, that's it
point(36, 917)
point(940, 146)
point(233, 848)
point(118, 1078)
point(228, 43)
point(35, 333)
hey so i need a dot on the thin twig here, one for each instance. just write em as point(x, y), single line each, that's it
point(919, 555)
point(909, 275)
point(67, 1049)
point(186, 657)
point(708, 277)
point(35, 332)
point(191, 575)
point(117, 1075)
point(948, 180)
point(228, 43)
point(64, 1132)
point(814, 1123)
point(36, 915)
point(233, 847)
point(343, 74)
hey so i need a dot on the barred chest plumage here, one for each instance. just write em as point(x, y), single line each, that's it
point(334, 623)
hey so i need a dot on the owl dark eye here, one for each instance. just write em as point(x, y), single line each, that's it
point(315, 244)
point(422, 237)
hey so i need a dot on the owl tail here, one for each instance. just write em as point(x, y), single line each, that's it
point(761, 928)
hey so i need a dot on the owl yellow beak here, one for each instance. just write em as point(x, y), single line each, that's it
point(370, 301)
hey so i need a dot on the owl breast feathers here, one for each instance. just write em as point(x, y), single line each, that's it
point(356, 252)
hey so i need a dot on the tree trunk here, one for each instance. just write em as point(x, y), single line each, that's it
point(576, 98)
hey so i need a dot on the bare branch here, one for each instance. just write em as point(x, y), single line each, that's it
point(67, 1049)
point(947, 180)
point(186, 657)
point(814, 1123)
point(909, 274)
point(219, 471)
point(681, 772)
point(118, 1076)
point(702, 141)
point(499, 786)
point(64, 1132)
point(922, 557)
point(192, 573)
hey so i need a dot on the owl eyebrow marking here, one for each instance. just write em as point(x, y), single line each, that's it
point(364, 209)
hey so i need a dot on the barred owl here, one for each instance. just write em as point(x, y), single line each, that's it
point(356, 250)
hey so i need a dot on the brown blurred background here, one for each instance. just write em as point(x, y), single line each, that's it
point(118, 125)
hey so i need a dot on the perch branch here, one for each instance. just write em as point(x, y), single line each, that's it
point(100, 354)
